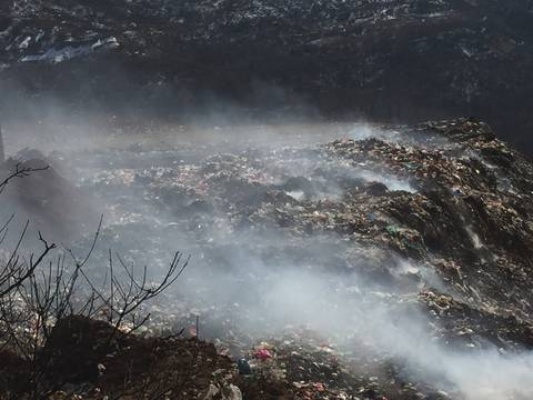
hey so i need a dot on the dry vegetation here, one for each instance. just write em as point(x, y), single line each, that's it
point(62, 334)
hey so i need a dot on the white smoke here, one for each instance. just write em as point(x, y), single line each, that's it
point(263, 298)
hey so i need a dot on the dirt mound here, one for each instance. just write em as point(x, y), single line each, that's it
point(92, 359)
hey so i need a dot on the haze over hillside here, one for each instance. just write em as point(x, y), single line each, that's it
point(339, 248)
point(400, 61)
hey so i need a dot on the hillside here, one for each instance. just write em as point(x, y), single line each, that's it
point(399, 61)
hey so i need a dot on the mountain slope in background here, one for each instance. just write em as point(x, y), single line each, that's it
point(384, 60)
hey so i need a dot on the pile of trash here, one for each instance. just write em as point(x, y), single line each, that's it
point(373, 268)
point(303, 366)
point(448, 195)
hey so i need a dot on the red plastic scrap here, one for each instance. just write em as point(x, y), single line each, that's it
point(263, 354)
point(192, 331)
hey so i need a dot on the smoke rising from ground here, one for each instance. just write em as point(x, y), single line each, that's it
point(258, 282)
point(265, 300)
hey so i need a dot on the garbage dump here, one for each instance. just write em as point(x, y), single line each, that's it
point(351, 269)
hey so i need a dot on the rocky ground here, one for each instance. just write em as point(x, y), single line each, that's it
point(400, 61)
point(394, 264)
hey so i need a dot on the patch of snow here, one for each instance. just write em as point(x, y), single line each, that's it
point(66, 53)
point(466, 51)
point(25, 43)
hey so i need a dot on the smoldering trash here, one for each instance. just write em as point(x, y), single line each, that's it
point(355, 268)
